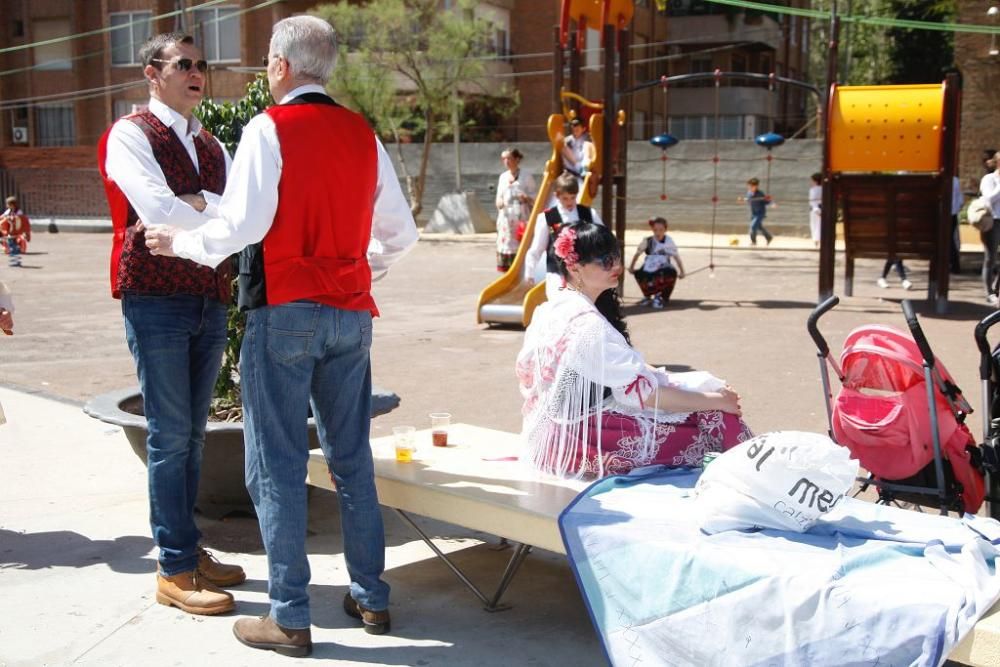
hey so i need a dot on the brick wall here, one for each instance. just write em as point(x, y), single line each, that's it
point(980, 125)
point(55, 182)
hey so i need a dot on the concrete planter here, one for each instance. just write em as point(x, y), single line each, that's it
point(222, 489)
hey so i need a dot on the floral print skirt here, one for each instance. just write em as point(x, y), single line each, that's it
point(682, 443)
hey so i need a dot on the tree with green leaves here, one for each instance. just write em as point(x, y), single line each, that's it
point(878, 55)
point(407, 66)
point(226, 120)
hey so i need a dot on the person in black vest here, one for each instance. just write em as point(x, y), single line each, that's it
point(153, 162)
point(547, 227)
point(314, 195)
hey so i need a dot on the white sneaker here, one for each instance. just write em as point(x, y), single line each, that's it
point(644, 301)
point(907, 284)
point(882, 282)
point(657, 302)
point(992, 299)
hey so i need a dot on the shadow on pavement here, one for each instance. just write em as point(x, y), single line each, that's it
point(64, 548)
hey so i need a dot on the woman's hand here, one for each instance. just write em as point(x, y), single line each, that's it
point(727, 400)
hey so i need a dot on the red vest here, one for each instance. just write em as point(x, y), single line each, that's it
point(133, 268)
point(317, 247)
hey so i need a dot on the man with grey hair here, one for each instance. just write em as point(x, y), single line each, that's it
point(315, 202)
point(153, 163)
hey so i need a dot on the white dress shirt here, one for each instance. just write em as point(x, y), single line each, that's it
point(250, 201)
point(989, 188)
point(131, 165)
point(540, 240)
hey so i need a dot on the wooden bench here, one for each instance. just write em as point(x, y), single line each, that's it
point(472, 483)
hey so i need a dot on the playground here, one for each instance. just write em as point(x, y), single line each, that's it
point(449, 333)
point(726, 322)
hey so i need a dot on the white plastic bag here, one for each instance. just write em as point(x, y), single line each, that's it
point(784, 480)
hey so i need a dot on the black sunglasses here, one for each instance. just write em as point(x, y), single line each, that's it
point(608, 261)
point(184, 64)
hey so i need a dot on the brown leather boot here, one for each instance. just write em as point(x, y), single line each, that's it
point(264, 633)
point(193, 594)
point(218, 573)
point(376, 622)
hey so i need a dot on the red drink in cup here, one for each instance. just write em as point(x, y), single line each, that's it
point(440, 421)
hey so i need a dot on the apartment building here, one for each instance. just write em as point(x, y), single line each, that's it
point(690, 36)
point(58, 96)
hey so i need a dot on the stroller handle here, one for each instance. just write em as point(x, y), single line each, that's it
point(985, 354)
point(811, 323)
point(917, 332)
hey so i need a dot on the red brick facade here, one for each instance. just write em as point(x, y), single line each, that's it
point(980, 129)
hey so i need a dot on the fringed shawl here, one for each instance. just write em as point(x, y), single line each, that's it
point(573, 367)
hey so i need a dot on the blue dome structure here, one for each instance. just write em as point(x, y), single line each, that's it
point(665, 140)
point(769, 140)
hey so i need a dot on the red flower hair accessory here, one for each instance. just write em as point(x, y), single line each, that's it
point(565, 247)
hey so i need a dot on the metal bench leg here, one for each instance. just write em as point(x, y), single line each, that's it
point(512, 566)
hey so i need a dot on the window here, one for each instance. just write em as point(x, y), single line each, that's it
point(125, 107)
point(739, 62)
point(52, 56)
point(129, 31)
point(640, 52)
point(498, 42)
point(639, 131)
point(592, 58)
point(55, 125)
point(765, 63)
point(217, 32)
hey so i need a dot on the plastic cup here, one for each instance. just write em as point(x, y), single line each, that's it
point(403, 441)
point(440, 421)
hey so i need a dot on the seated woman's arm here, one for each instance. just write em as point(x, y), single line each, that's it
point(675, 399)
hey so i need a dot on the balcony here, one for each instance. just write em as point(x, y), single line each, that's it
point(724, 29)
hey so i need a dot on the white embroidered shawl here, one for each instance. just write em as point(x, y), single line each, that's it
point(571, 354)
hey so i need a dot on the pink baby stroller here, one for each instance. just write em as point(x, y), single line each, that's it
point(902, 416)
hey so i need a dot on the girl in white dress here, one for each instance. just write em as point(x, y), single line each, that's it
point(515, 194)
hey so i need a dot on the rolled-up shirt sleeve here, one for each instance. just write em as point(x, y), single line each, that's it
point(246, 210)
point(394, 231)
point(539, 244)
point(131, 165)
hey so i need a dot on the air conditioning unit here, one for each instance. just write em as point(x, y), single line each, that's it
point(19, 135)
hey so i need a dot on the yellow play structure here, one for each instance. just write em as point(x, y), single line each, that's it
point(889, 158)
point(511, 298)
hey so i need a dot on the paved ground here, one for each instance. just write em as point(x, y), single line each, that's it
point(76, 561)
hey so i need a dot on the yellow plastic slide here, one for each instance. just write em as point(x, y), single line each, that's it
point(511, 299)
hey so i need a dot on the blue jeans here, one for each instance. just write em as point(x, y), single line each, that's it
point(295, 355)
point(991, 243)
point(177, 344)
point(757, 226)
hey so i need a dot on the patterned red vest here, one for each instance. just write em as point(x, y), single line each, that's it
point(133, 268)
point(317, 247)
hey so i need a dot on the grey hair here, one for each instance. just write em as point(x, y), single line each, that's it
point(309, 44)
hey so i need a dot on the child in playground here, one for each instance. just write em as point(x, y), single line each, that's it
point(547, 227)
point(578, 150)
point(815, 207)
point(15, 231)
point(758, 201)
point(657, 276)
point(900, 271)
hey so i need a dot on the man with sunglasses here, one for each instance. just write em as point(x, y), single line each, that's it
point(315, 196)
point(153, 163)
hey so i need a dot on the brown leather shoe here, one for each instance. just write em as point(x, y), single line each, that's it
point(218, 573)
point(376, 622)
point(191, 593)
point(264, 633)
